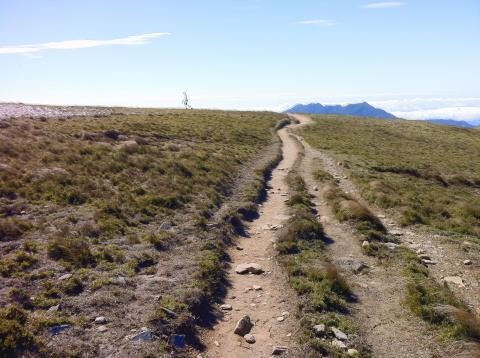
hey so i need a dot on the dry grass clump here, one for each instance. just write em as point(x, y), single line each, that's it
point(428, 173)
point(324, 293)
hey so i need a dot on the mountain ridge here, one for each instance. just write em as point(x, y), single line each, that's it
point(362, 109)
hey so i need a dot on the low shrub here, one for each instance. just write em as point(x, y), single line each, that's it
point(75, 251)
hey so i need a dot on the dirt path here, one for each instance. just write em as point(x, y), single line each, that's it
point(275, 299)
point(387, 326)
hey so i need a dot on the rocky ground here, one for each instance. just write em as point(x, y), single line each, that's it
point(16, 110)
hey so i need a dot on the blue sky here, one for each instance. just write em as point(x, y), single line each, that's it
point(420, 58)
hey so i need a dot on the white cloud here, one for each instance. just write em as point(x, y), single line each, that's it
point(78, 44)
point(384, 5)
point(458, 113)
point(317, 22)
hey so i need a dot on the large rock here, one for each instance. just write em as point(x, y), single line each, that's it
point(243, 327)
point(457, 280)
point(254, 268)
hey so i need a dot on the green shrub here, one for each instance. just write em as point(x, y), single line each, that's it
point(14, 336)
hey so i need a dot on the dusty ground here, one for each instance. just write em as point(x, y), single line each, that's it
point(275, 299)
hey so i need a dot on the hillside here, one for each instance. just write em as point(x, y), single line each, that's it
point(429, 174)
point(106, 216)
point(358, 109)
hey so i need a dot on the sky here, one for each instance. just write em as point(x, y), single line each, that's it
point(416, 58)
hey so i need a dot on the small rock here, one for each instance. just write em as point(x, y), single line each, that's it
point(391, 245)
point(216, 343)
point(339, 334)
point(280, 319)
point(102, 328)
point(285, 314)
point(257, 288)
point(429, 262)
point(239, 248)
point(54, 330)
point(339, 344)
point(315, 188)
point(54, 308)
point(144, 336)
point(244, 325)
point(467, 262)
point(365, 244)
point(100, 320)
point(119, 280)
point(254, 268)
point(424, 257)
point(352, 352)
point(249, 338)
point(358, 267)
point(226, 307)
point(319, 329)
point(278, 350)
point(65, 277)
point(396, 232)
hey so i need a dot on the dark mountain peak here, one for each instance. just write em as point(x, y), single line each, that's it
point(363, 109)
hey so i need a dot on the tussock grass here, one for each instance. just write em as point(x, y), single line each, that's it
point(323, 292)
point(436, 303)
point(428, 174)
point(348, 209)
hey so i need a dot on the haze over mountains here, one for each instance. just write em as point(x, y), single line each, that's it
point(364, 109)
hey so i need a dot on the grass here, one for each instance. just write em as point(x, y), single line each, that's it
point(117, 195)
point(347, 209)
point(323, 292)
point(426, 298)
point(425, 173)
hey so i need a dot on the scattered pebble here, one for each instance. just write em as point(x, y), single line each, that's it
point(339, 344)
point(281, 319)
point(65, 277)
point(216, 343)
point(100, 320)
point(278, 350)
point(249, 338)
point(339, 334)
point(102, 328)
point(319, 329)
point(352, 352)
point(467, 262)
point(257, 288)
point(226, 307)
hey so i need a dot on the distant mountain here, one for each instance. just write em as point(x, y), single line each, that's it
point(474, 122)
point(357, 109)
point(451, 122)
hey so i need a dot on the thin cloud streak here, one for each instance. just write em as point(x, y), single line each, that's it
point(142, 39)
point(317, 22)
point(384, 5)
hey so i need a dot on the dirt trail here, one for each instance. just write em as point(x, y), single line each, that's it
point(275, 299)
point(387, 326)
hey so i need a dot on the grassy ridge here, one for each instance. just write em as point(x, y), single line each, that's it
point(429, 174)
point(109, 196)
